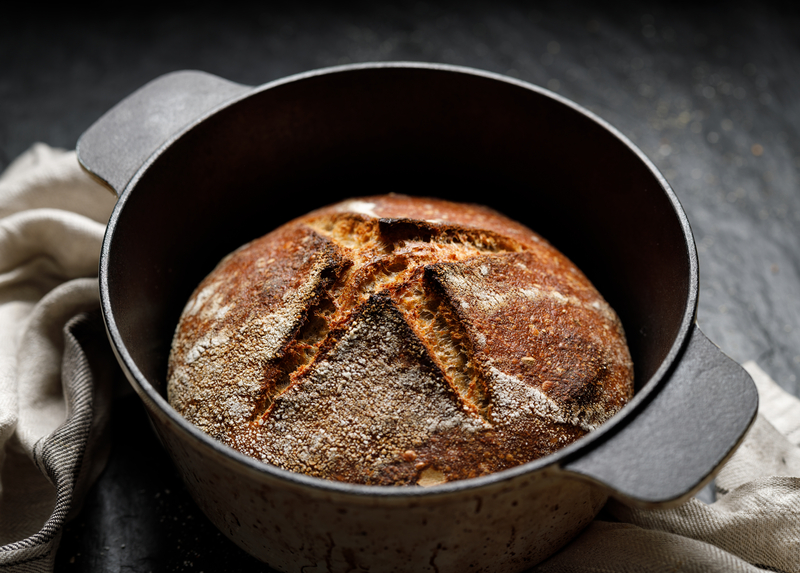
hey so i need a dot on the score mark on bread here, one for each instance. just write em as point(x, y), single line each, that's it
point(398, 340)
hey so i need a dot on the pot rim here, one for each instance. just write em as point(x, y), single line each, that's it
point(154, 398)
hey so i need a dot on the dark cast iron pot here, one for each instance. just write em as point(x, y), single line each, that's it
point(202, 165)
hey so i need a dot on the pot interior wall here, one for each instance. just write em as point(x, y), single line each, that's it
point(286, 150)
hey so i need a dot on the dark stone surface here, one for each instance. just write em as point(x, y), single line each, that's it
point(139, 516)
point(707, 90)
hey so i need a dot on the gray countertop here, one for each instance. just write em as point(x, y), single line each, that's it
point(710, 92)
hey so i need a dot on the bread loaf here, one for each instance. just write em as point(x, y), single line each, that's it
point(398, 340)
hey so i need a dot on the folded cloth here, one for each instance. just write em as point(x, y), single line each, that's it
point(55, 367)
point(54, 358)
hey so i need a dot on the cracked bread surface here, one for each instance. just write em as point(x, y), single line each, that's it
point(398, 340)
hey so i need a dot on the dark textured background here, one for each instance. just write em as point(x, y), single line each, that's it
point(709, 91)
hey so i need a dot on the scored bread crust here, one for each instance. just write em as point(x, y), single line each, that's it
point(398, 340)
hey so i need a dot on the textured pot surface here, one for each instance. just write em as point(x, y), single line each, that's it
point(507, 526)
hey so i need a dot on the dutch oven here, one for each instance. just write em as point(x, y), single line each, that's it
point(202, 165)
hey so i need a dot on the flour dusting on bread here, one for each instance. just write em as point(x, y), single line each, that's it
point(395, 340)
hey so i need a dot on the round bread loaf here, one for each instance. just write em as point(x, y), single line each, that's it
point(398, 340)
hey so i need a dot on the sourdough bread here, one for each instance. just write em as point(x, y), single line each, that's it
point(398, 340)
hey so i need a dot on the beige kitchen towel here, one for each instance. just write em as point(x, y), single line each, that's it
point(54, 363)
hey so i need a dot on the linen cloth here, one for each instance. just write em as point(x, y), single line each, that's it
point(54, 363)
point(56, 372)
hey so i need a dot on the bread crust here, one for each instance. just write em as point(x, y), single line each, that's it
point(396, 340)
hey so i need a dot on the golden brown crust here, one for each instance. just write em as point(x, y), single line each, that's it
point(398, 340)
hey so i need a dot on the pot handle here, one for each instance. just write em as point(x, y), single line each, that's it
point(681, 436)
point(118, 144)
